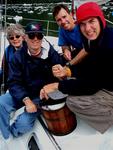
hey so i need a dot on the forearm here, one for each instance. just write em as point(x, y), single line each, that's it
point(65, 48)
point(79, 57)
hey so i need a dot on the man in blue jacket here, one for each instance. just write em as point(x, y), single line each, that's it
point(29, 70)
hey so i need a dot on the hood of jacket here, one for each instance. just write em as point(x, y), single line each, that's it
point(90, 9)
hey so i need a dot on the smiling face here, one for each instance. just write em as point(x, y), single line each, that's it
point(15, 35)
point(34, 43)
point(90, 28)
point(16, 40)
point(65, 20)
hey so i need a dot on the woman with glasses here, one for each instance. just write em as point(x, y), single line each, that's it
point(15, 36)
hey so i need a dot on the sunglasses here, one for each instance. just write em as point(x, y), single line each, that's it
point(16, 36)
point(33, 35)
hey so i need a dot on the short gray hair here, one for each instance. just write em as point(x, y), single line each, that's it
point(14, 29)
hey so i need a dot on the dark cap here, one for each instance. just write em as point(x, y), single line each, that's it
point(34, 27)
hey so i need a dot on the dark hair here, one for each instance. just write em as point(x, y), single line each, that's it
point(101, 24)
point(57, 8)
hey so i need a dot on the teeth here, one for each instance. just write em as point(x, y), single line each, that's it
point(90, 34)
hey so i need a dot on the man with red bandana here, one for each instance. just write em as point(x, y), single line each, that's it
point(91, 93)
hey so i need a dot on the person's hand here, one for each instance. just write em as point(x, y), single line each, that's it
point(59, 71)
point(43, 95)
point(48, 89)
point(30, 106)
point(67, 54)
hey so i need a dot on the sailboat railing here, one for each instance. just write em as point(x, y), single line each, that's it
point(50, 27)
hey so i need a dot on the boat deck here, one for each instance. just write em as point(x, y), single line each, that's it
point(83, 137)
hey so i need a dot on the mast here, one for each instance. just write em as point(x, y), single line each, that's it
point(5, 25)
point(74, 5)
point(73, 9)
point(1, 15)
point(0, 27)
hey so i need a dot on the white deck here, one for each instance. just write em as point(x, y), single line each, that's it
point(82, 138)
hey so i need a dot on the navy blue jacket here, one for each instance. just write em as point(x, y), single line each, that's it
point(95, 71)
point(8, 54)
point(29, 74)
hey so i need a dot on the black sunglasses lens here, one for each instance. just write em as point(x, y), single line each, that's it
point(40, 36)
point(12, 37)
point(17, 36)
point(33, 35)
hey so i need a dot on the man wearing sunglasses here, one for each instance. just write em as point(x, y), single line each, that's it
point(30, 69)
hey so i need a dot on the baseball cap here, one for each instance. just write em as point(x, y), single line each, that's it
point(33, 27)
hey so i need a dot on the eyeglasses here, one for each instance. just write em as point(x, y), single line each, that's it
point(33, 35)
point(16, 36)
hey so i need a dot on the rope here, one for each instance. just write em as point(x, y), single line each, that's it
point(57, 147)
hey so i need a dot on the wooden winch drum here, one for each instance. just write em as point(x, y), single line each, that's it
point(59, 119)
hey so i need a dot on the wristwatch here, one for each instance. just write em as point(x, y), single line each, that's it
point(68, 64)
point(26, 98)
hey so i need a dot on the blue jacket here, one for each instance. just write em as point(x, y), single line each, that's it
point(29, 74)
point(8, 54)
